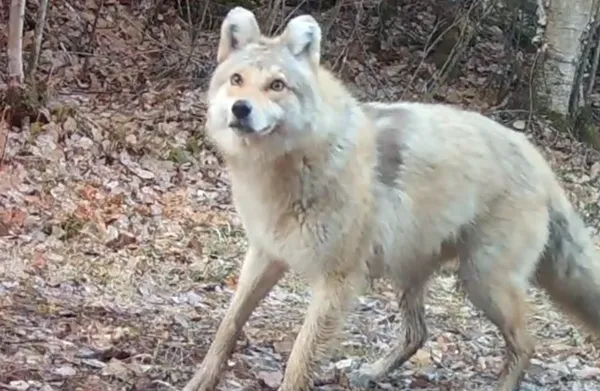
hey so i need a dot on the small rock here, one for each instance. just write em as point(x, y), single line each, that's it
point(271, 379)
point(116, 368)
point(345, 363)
point(19, 385)
point(156, 209)
point(519, 125)
point(70, 125)
point(144, 174)
point(112, 233)
point(588, 372)
point(85, 143)
point(421, 358)
point(92, 362)
point(65, 371)
point(194, 299)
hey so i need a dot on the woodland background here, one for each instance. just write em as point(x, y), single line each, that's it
point(119, 246)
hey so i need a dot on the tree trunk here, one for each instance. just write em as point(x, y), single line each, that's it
point(39, 33)
point(567, 22)
point(15, 43)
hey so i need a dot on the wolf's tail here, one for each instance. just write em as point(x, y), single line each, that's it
point(569, 269)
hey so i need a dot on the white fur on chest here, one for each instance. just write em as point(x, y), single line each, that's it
point(302, 239)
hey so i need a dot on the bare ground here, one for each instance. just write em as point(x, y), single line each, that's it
point(119, 247)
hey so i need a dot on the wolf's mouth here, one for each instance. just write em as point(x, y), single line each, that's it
point(240, 127)
point(245, 129)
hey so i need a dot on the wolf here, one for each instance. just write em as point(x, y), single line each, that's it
point(343, 192)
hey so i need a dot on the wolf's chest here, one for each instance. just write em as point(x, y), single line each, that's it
point(298, 233)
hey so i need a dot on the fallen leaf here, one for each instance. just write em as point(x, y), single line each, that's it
point(122, 240)
point(270, 379)
point(118, 369)
point(39, 261)
point(89, 192)
point(231, 281)
point(421, 358)
point(65, 371)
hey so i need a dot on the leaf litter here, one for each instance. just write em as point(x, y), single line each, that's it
point(119, 246)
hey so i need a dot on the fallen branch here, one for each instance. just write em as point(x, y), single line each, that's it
point(92, 38)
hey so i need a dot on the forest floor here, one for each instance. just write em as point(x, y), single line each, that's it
point(119, 246)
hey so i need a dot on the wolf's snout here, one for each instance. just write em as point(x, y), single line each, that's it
point(241, 109)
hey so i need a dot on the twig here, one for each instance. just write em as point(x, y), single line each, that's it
point(330, 17)
point(461, 44)
point(430, 47)
point(92, 36)
point(344, 52)
point(290, 14)
point(156, 41)
point(191, 32)
point(426, 50)
point(373, 72)
point(8, 387)
point(273, 14)
point(164, 383)
point(531, 75)
point(4, 129)
point(39, 33)
point(149, 19)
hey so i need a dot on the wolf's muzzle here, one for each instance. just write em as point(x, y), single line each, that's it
point(241, 109)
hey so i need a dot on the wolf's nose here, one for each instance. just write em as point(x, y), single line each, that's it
point(241, 109)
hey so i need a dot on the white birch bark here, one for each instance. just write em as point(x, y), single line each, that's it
point(567, 22)
point(15, 42)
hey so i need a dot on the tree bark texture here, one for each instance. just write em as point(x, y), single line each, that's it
point(38, 38)
point(567, 25)
point(15, 42)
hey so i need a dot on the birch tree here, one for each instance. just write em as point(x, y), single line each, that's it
point(15, 44)
point(564, 25)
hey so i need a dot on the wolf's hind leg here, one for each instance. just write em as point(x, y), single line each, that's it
point(411, 291)
point(503, 303)
point(496, 265)
point(414, 330)
point(410, 280)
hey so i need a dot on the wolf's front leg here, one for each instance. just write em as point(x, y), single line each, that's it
point(325, 316)
point(258, 276)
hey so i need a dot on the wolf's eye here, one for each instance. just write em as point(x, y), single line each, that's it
point(277, 85)
point(235, 79)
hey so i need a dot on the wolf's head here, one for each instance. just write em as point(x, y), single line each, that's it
point(264, 91)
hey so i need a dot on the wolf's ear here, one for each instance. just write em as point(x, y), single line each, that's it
point(239, 28)
point(303, 37)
